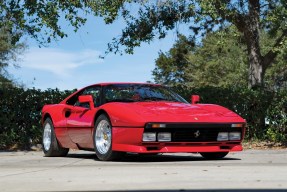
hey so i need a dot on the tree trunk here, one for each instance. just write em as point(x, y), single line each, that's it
point(256, 63)
point(256, 67)
point(256, 70)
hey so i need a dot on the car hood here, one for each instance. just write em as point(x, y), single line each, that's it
point(143, 112)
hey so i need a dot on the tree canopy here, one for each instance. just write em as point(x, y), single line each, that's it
point(171, 67)
point(154, 19)
point(219, 61)
point(147, 20)
point(40, 19)
point(9, 55)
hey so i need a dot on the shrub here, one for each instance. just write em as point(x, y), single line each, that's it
point(276, 118)
point(20, 114)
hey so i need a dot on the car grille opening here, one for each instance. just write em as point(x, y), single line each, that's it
point(193, 133)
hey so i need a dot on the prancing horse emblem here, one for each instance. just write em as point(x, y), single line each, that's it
point(196, 134)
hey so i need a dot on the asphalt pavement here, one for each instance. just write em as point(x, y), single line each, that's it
point(250, 170)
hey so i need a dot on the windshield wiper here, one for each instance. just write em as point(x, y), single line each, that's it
point(120, 100)
point(153, 99)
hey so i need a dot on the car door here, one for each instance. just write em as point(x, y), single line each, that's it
point(80, 118)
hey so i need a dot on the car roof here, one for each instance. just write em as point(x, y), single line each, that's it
point(121, 83)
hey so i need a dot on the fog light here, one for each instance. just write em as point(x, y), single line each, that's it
point(149, 136)
point(234, 136)
point(164, 136)
point(222, 136)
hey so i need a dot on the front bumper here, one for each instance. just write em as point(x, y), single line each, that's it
point(130, 140)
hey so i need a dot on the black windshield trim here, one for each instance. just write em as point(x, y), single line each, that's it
point(174, 97)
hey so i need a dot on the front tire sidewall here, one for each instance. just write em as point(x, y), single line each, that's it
point(110, 154)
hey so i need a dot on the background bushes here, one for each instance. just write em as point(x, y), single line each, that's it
point(20, 115)
point(265, 111)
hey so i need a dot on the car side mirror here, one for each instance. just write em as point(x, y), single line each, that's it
point(195, 99)
point(87, 99)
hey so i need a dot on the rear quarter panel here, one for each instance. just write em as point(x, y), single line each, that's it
point(56, 112)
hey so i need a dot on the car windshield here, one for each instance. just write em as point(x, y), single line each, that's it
point(140, 93)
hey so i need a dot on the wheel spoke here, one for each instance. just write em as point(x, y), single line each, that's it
point(47, 139)
point(103, 137)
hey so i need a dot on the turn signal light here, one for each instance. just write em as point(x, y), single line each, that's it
point(155, 125)
point(237, 125)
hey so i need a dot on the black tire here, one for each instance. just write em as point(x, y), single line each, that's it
point(102, 138)
point(214, 155)
point(51, 148)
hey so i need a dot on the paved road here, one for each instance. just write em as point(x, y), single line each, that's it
point(251, 170)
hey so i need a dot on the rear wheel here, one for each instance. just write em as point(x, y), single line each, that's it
point(214, 155)
point(51, 147)
point(103, 140)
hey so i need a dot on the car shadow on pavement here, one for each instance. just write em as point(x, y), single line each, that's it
point(135, 158)
point(200, 190)
point(91, 156)
point(167, 158)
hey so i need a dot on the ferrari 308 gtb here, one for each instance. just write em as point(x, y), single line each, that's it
point(117, 118)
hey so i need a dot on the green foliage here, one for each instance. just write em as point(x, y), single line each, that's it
point(147, 20)
point(155, 18)
point(40, 19)
point(171, 66)
point(20, 114)
point(5, 82)
point(219, 61)
point(277, 117)
point(276, 75)
point(9, 53)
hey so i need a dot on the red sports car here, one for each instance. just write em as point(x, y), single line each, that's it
point(115, 118)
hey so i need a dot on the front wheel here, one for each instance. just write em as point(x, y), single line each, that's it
point(103, 140)
point(214, 155)
point(51, 147)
